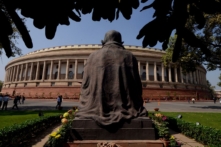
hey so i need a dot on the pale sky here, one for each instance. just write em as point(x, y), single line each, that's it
point(90, 32)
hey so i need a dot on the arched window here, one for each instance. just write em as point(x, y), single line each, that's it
point(56, 75)
point(70, 75)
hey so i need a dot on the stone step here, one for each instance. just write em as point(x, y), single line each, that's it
point(141, 122)
point(122, 143)
point(121, 134)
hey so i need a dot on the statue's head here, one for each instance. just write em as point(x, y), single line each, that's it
point(112, 36)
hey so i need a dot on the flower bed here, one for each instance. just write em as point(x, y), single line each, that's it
point(19, 134)
point(61, 136)
point(162, 130)
point(205, 135)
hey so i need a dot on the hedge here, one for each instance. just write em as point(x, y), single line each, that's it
point(19, 134)
point(205, 135)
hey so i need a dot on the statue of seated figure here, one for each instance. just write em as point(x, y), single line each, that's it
point(111, 89)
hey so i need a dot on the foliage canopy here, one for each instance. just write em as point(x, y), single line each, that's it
point(169, 15)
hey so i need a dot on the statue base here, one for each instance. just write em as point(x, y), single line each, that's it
point(136, 129)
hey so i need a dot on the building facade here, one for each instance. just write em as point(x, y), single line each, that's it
point(54, 71)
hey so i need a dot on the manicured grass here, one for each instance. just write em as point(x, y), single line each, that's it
point(206, 119)
point(8, 118)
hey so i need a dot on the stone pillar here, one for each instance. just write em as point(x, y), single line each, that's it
point(162, 72)
point(191, 77)
point(43, 72)
point(197, 77)
point(76, 69)
point(26, 70)
point(12, 74)
point(59, 69)
point(147, 71)
point(21, 73)
point(176, 77)
point(8, 75)
point(155, 71)
point(6, 72)
point(195, 81)
point(169, 69)
point(203, 78)
point(139, 67)
point(15, 71)
point(16, 76)
point(85, 61)
point(31, 70)
point(181, 75)
point(36, 77)
point(51, 70)
point(67, 69)
point(187, 79)
point(200, 77)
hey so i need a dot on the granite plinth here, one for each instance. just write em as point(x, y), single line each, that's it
point(135, 129)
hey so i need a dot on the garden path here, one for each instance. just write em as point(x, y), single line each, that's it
point(186, 142)
point(40, 140)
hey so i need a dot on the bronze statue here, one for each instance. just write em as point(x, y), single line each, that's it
point(111, 89)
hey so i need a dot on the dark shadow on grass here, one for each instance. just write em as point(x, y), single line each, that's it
point(207, 107)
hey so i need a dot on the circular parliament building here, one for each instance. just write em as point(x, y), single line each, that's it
point(50, 72)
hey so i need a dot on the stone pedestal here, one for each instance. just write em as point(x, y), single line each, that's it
point(135, 129)
point(122, 143)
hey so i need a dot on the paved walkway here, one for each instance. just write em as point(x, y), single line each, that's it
point(186, 142)
point(164, 106)
point(45, 136)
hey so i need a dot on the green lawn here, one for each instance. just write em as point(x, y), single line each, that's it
point(206, 119)
point(8, 118)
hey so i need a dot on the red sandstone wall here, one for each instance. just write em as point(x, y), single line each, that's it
point(45, 92)
point(175, 94)
point(73, 92)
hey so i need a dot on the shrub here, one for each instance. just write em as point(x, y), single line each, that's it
point(205, 135)
point(19, 134)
